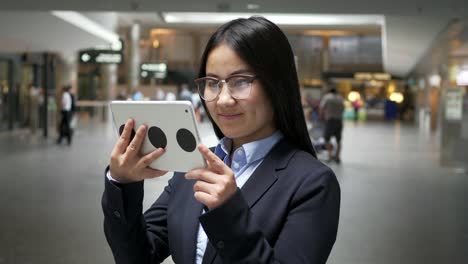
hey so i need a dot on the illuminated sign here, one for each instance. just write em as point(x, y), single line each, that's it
point(100, 56)
point(109, 58)
point(154, 67)
point(453, 105)
point(157, 70)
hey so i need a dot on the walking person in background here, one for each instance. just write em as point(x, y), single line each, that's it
point(331, 110)
point(137, 95)
point(263, 196)
point(122, 95)
point(73, 116)
point(66, 107)
point(33, 108)
point(185, 94)
point(170, 96)
point(159, 94)
point(356, 106)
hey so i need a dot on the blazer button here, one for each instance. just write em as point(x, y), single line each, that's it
point(117, 214)
point(220, 244)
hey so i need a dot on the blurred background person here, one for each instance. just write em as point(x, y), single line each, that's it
point(159, 94)
point(185, 94)
point(34, 108)
point(356, 106)
point(122, 95)
point(66, 107)
point(73, 116)
point(332, 108)
point(137, 95)
point(170, 96)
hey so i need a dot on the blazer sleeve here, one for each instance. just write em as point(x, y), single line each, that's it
point(307, 236)
point(130, 238)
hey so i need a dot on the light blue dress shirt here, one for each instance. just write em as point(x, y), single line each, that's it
point(246, 159)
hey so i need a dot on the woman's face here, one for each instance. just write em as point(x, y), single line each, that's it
point(243, 120)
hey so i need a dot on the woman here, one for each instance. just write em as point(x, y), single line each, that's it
point(263, 197)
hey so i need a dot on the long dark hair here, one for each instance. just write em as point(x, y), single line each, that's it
point(264, 47)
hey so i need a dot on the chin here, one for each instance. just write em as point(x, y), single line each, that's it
point(230, 133)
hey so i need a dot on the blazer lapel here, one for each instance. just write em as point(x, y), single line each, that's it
point(193, 211)
point(265, 175)
point(259, 182)
point(210, 254)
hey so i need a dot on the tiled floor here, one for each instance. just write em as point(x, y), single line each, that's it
point(398, 205)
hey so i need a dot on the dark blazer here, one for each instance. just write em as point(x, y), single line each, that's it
point(287, 212)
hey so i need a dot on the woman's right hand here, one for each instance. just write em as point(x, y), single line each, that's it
point(127, 164)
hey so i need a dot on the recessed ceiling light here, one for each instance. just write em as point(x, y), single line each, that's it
point(462, 78)
point(253, 6)
point(88, 25)
point(281, 19)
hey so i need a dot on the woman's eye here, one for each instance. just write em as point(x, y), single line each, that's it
point(240, 83)
point(212, 84)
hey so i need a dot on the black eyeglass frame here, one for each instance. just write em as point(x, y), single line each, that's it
point(248, 77)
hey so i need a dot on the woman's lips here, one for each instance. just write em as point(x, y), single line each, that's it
point(229, 116)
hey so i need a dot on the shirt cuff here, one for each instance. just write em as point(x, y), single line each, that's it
point(109, 177)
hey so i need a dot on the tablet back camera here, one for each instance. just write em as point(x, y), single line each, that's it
point(186, 140)
point(121, 129)
point(157, 137)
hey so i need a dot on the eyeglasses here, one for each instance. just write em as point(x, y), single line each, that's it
point(238, 85)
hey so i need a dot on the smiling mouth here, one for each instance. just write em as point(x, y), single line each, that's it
point(229, 116)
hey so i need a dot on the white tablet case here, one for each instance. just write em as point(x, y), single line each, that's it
point(170, 124)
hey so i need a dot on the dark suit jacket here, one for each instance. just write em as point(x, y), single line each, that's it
point(287, 212)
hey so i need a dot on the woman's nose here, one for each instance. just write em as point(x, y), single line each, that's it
point(224, 96)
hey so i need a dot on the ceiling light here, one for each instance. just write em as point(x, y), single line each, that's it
point(353, 96)
point(462, 78)
point(328, 32)
point(87, 25)
point(161, 31)
point(281, 19)
point(155, 43)
point(396, 97)
point(253, 6)
point(434, 80)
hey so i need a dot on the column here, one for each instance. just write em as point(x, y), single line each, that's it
point(134, 60)
point(110, 85)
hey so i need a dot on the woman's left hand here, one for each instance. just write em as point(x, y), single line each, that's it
point(216, 183)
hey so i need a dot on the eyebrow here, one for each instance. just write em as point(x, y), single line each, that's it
point(241, 71)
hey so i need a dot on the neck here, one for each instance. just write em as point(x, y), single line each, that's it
point(238, 142)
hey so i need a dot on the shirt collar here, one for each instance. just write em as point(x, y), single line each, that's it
point(223, 148)
point(248, 152)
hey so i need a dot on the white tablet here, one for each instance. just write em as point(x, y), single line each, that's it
point(171, 125)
